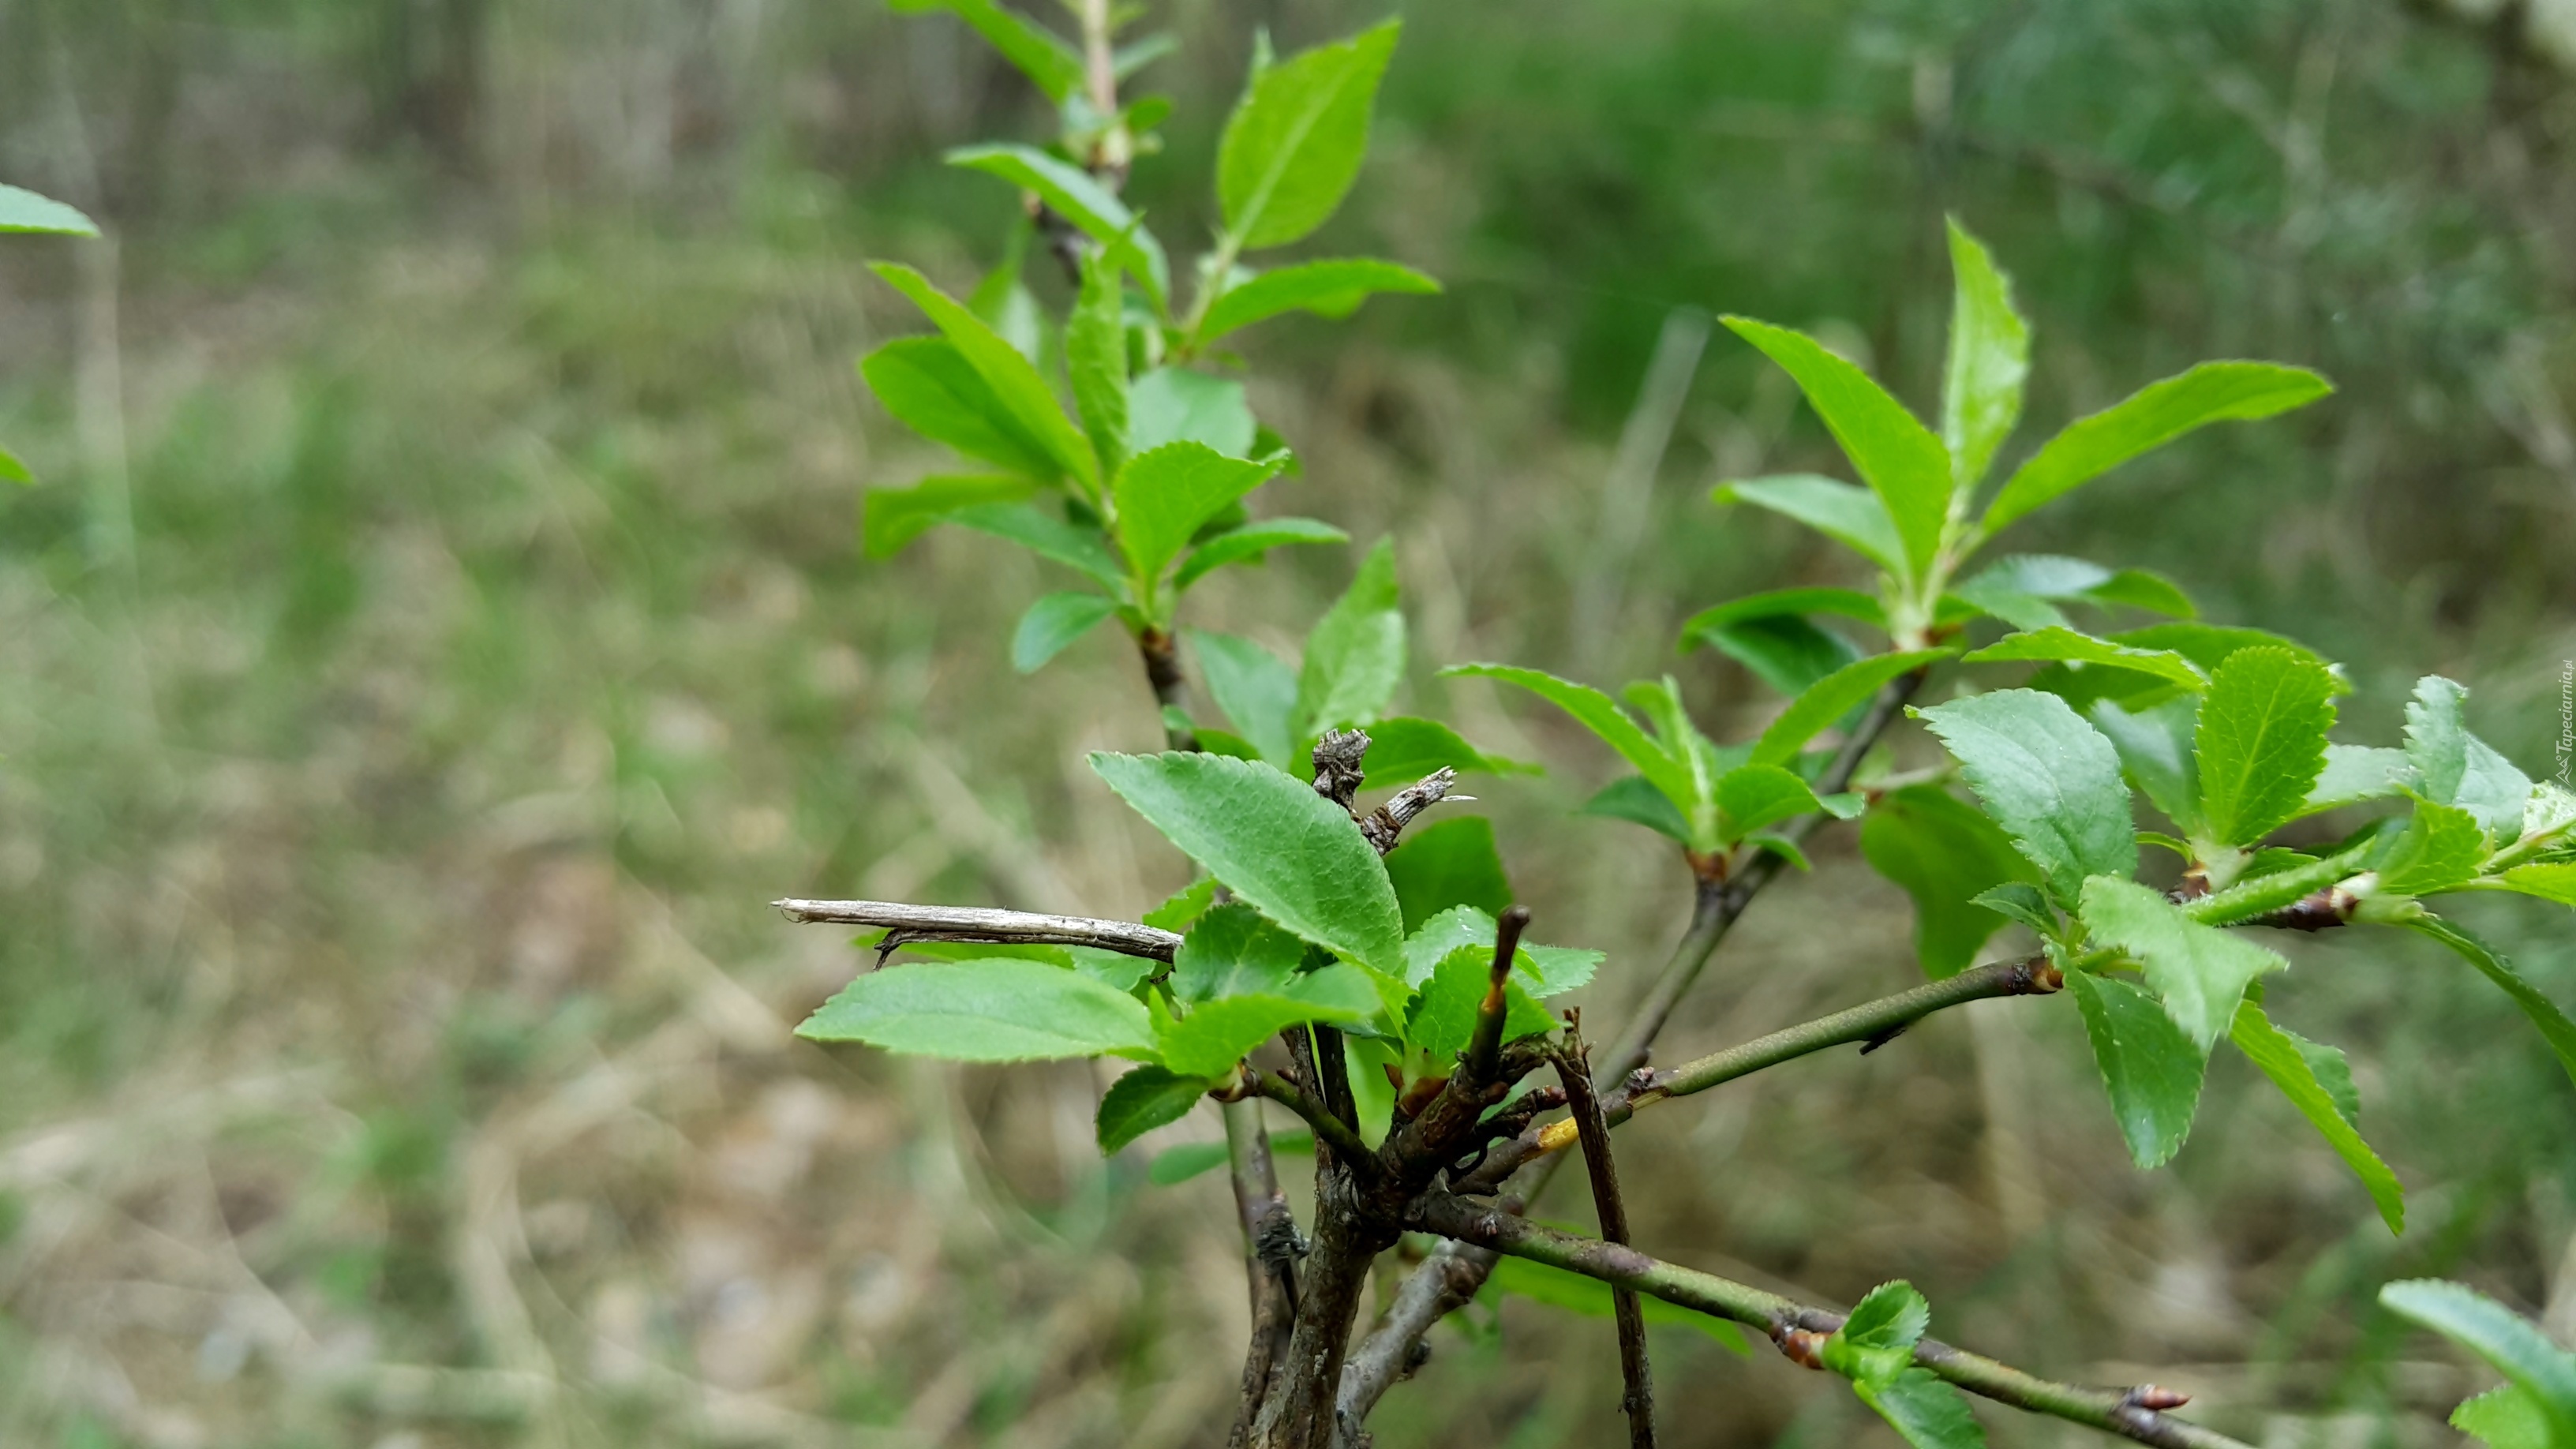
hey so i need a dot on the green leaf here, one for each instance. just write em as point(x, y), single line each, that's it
point(2063, 645)
point(1832, 697)
point(1165, 495)
point(1785, 651)
point(1042, 56)
point(1784, 603)
point(2148, 419)
point(2544, 1013)
point(2261, 743)
point(1940, 851)
point(24, 211)
point(12, 470)
point(1892, 1315)
point(2155, 749)
point(1558, 1288)
point(1076, 546)
point(2020, 901)
point(1328, 288)
point(2549, 880)
point(2144, 589)
point(893, 517)
point(2354, 773)
point(990, 1010)
point(1404, 749)
point(1144, 1099)
point(1217, 1034)
point(1256, 691)
point(2151, 1070)
point(1232, 951)
point(1896, 455)
point(2440, 850)
point(1452, 863)
point(1598, 713)
point(1850, 514)
point(2291, 1062)
point(1051, 623)
point(1292, 148)
point(1176, 405)
point(2504, 1417)
point(929, 387)
point(2048, 778)
point(1250, 542)
point(1095, 359)
point(1750, 797)
point(1635, 799)
point(2505, 1339)
point(1981, 386)
point(1355, 653)
point(2211, 645)
point(1540, 970)
point(1183, 908)
point(1295, 856)
point(1445, 1017)
point(1074, 194)
point(1927, 1410)
point(2200, 971)
point(1016, 386)
point(2454, 767)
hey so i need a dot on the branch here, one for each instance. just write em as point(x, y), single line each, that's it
point(1477, 1067)
point(2123, 1412)
point(1330, 1130)
point(976, 923)
point(1636, 1371)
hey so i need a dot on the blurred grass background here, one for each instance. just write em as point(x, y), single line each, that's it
point(440, 631)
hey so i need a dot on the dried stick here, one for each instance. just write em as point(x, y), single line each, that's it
point(977, 923)
point(1636, 1371)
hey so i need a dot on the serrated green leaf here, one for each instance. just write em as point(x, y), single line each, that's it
point(2549, 880)
point(1635, 799)
point(1095, 360)
point(1832, 697)
point(991, 1010)
point(2148, 419)
point(1543, 971)
point(1256, 691)
point(1788, 652)
point(2151, 1070)
point(1444, 1016)
point(1232, 951)
point(1074, 194)
point(2144, 589)
point(2505, 1339)
point(1183, 908)
point(1292, 148)
point(893, 517)
point(1404, 749)
point(1557, 1288)
point(1896, 455)
point(2543, 1013)
point(2292, 1063)
point(2455, 767)
point(22, 210)
point(1165, 495)
point(2062, 645)
point(1295, 856)
point(1144, 1099)
point(1926, 1410)
point(1981, 386)
point(1176, 405)
point(2019, 901)
point(1598, 713)
point(12, 470)
point(1943, 853)
point(2048, 778)
point(2212, 645)
point(1332, 288)
point(2354, 773)
point(1700, 763)
point(1750, 797)
point(930, 387)
point(1845, 512)
point(1218, 1033)
point(2261, 742)
point(1784, 603)
point(1451, 863)
point(2200, 971)
point(2155, 749)
point(2440, 850)
point(1891, 1315)
point(1076, 546)
point(1053, 622)
point(2504, 1417)
point(1016, 386)
point(1045, 58)
point(1251, 541)
point(1355, 654)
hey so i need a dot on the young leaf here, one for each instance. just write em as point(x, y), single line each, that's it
point(1403, 750)
point(1073, 545)
point(1183, 908)
point(2148, 419)
point(1939, 850)
point(2504, 1338)
point(2261, 743)
point(1051, 623)
point(1989, 359)
point(12, 470)
point(1022, 394)
point(2155, 749)
point(2048, 778)
point(1540, 970)
point(1232, 951)
point(1850, 514)
point(2544, 1013)
point(24, 211)
point(1043, 57)
point(1355, 653)
point(1217, 1034)
point(2454, 767)
point(2020, 901)
point(2292, 1064)
point(1095, 359)
point(2065, 646)
point(2354, 773)
point(1451, 863)
point(1926, 1409)
point(2549, 880)
point(1292, 148)
point(2211, 645)
point(2200, 971)
point(2441, 850)
point(2144, 589)
point(1328, 288)
point(929, 387)
point(1256, 691)
point(1753, 796)
point(893, 517)
point(1445, 1016)
point(1896, 455)
point(1072, 193)
point(1890, 1316)
point(1785, 603)
point(1144, 1099)
point(1598, 713)
point(1294, 855)
point(1832, 697)
point(1176, 405)
point(1251, 541)
point(2504, 1417)
point(992, 1010)
point(1635, 799)
point(1164, 496)
point(2151, 1070)
point(1785, 651)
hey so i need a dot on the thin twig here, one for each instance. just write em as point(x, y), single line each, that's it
point(1636, 1371)
point(2115, 1411)
point(977, 923)
point(1330, 1130)
point(1477, 1067)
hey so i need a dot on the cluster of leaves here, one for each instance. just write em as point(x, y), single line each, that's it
point(1140, 486)
point(1875, 1350)
point(2535, 1408)
point(24, 212)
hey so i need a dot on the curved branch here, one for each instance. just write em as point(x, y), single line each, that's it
point(977, 923)
point(1330, 1130)
point(2123, 1412)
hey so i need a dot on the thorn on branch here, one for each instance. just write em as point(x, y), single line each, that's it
point(1384, 826)
point(1884, 1037)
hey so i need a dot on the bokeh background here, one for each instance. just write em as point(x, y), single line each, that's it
point(440, 629)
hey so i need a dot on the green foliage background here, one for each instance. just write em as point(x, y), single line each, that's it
point(440, 629)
